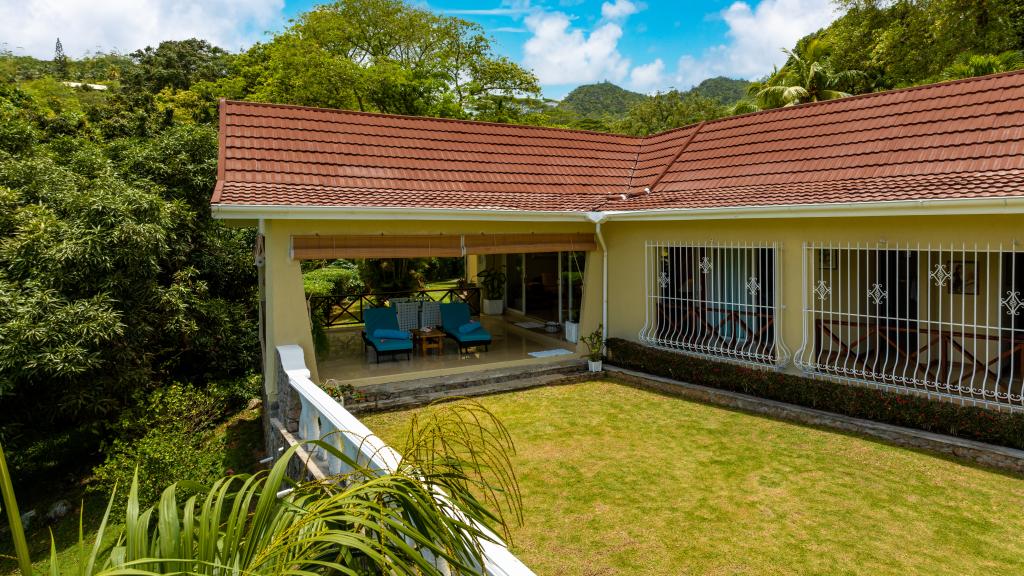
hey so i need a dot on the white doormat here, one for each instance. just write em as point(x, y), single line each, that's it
point(530, 325)
point(547, 353)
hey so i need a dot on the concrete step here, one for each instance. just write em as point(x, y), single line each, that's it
point(420, 391)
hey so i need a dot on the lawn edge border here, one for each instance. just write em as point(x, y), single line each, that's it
point(987, 455)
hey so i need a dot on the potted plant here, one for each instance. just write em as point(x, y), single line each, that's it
point(492, 282)
point(594, 344)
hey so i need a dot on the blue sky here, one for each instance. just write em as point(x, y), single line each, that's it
point(642, 45)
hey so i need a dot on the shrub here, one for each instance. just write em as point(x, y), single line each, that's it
point(164, 456)
point(330, 284)
point(336, 280)
point(911, 411)
point(169, 435)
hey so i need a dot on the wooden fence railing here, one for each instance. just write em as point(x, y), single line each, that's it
point(348, 309)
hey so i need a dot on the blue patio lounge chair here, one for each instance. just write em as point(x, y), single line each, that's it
point(381, 332)
point(455, 322)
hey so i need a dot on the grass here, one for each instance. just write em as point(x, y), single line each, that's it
point(242, 436)
point(619, 481)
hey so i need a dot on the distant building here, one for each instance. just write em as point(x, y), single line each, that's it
point(84, 85)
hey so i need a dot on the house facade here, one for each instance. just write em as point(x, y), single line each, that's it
point(874, 239)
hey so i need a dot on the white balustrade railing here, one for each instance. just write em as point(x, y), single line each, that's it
point(323, 418)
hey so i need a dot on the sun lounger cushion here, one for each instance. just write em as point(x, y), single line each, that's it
point(391, 334)
point(390, 345)
point(480, 335)
point(469, 327)
point(385, 321)
point(456, 315)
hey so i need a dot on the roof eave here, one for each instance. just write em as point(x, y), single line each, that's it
point(923, 207)
point(276, 212)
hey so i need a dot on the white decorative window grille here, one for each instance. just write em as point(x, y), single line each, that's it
point(715, 300)
point(941, 320)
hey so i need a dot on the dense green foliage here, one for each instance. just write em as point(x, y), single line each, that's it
point(114, 279)
point(669, 110)
point(908, 42)
point(912, 411)
point(379, 56)
point(168, 435)
point(808, 76)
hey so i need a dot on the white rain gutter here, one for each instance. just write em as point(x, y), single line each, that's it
point(597, 218)
point(936, 207)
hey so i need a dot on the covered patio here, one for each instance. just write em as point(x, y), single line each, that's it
point(348, 361)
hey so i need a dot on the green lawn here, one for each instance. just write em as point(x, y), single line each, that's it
point(617, 480)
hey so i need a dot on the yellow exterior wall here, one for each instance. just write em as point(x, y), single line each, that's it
point(287, 319)
point(626, 242)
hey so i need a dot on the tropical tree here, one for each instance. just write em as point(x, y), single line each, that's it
point(970, 65)
point(668, 110)
point(176, 64)
point(383, 56)
point(806, 77)
point(452, 488)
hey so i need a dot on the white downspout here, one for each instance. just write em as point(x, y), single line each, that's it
point(597, 218)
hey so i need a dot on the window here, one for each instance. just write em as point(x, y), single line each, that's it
point(940, 320)
point(716, 300)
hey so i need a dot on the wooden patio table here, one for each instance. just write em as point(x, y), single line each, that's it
point(428, 340)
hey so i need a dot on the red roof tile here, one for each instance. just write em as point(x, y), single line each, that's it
point(961, 139)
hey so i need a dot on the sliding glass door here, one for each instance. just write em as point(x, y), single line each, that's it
point(540, 275)
point(514, 282)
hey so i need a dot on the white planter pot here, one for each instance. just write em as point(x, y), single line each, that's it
point(493, 307)
point(594, 365)
point(572, 332)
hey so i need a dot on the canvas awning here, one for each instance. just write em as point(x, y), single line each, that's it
point(434, 245)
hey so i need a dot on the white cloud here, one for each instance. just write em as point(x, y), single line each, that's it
point(756, 37)
point(33, 26)
point(648, 77)
point(618, 10)
point(561, 54)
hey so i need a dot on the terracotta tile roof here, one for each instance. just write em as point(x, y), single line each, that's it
point(960, 139)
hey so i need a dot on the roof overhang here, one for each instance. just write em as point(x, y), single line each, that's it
point(932, 207)
point(250, 212)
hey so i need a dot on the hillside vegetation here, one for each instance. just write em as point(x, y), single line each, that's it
point(725, 91)
point(600, 100)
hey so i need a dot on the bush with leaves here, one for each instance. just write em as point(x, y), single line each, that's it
point(168, 436)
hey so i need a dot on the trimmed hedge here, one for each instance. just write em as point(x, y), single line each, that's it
point(331, 281)
point(911, 411)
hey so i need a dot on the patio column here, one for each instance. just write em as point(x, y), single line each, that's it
point(287, 319)
point(472, 267)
